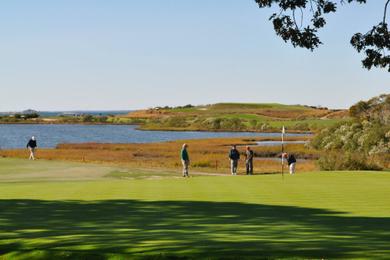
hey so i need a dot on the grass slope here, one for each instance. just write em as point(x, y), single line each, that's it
point(238, 117)
point(313, 215)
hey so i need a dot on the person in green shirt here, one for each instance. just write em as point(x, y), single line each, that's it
point(185, 160)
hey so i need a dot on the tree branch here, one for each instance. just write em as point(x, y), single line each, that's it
point(385, 12)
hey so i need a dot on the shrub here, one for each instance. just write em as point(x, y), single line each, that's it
point(216, 123)
point(365, 137)
point(234, 124)
point(347, 161)
point(253, 124)
point(177, 122)
point(18, 116)
point(87, 118)
point(102, 119)
point(32, 115)
point(203, 164)
point(302, 126)
point(263, 126)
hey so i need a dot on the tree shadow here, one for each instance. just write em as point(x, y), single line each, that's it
point(188, 228)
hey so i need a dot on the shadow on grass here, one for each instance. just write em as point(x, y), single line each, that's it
point(187, 228)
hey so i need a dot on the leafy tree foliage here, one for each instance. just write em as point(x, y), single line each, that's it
point(376, 109)
point(32, 115)
point(290, 26)
point(363, 139)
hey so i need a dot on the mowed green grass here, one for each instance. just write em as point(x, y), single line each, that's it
point(311, 215)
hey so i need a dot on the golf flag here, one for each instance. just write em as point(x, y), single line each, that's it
point(283, 133)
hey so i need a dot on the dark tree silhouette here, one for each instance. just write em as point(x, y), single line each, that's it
point(291, 24)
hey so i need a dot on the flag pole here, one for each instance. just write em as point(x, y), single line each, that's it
point(283, 131)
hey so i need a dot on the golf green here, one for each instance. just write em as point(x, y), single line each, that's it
point(311, 215)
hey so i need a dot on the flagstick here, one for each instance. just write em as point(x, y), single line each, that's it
point(283, 132)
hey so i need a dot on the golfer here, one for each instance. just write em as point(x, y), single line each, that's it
point(291, 162)
point(249, 161)
point(32, 145)
point(185, 160)
point(234, 156)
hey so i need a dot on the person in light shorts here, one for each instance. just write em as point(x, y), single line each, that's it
point(185, 160)
point(291, 162)
point(32, 145)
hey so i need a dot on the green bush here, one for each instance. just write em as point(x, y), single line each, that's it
point(366, 137)
point(32, 115)
point(263, 126)
point(347, 161)
point(234, 124)
point(253, 124)
point(87, 118)
point(303, 126)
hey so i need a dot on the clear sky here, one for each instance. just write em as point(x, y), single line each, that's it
point(128, 54)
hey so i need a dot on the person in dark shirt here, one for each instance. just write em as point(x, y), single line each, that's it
point(234, 156)
point(249, 160)
point(291, 162)
point(32, 145)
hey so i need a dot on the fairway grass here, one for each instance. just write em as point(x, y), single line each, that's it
point(312, 215)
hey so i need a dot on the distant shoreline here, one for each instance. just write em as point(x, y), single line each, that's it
point(221, 131)
point(154, 129)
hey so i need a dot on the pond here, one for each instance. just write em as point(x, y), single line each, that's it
point(49, 135)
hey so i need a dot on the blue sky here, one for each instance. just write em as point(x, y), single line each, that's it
point(128, 54)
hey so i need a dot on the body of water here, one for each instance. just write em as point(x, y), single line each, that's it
point(279, 143)
point(48, 136)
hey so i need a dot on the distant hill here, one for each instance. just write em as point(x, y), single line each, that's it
point(238, 117)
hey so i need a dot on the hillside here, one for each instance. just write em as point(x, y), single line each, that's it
point(216, 117)
point(237, 117)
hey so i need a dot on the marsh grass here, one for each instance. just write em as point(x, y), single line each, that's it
point(207, 155)
point(239, 117)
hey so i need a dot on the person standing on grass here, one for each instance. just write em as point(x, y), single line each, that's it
point(249, 160)
point(32, 145)
point(234, 156)
point(185, 160)
point(291, 162)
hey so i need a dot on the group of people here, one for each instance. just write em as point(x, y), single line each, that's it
point(234, 157)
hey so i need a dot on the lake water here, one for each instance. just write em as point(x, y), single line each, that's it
point(279, 143)
point(48, 136)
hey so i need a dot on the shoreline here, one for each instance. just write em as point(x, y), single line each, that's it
point(252, 141)
point(139, 128)
point(225, 131)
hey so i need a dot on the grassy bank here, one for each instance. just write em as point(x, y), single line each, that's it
point(238, 117)
point(218, 117)
point(314, 215)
